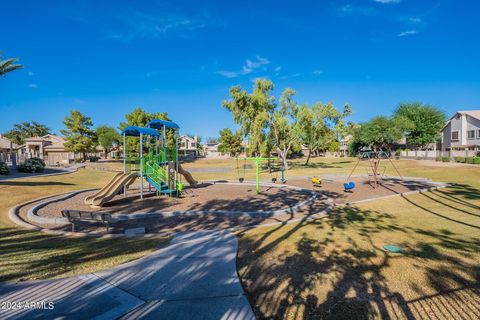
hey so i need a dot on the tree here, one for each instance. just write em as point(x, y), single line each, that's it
point(8, 65)
point(320, 125)
point(381, 133)
point(230, 142)
point(283, 131)
point(424, 122)
point(139, 117)
point(80, 137)
point(24, 130)
point(107, 137)
point(252, 112)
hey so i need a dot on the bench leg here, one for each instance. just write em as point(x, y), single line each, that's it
point(73, 227)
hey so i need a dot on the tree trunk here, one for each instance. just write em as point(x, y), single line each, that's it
point(84, 154)
point(285, 163)
point(283, 156)
point(308, 157)
point(106, 151)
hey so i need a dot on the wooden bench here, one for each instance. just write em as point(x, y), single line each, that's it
point(74, 216)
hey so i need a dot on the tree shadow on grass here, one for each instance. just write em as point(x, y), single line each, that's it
point(314, 279)
point(33, 183)
point(30, 254)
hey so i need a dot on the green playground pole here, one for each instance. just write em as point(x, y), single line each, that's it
point(257, 185)
point(257, 161)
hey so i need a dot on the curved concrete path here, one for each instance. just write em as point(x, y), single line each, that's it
point(194, 277)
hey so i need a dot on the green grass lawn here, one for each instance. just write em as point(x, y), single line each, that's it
point(336, 267)
point(28, 255)
point(328, 268)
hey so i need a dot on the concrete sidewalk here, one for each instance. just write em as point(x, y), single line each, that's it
point(194, 277)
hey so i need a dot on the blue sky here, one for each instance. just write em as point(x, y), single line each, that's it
point(107, 57)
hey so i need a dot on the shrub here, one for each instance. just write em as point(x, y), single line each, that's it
point(445, 159)
point(4, 168)
point(438, 158)
point(93, 158)
point(78, 160)
point(398, 152)
point(460, 159)
point(476, 160)
point(469, 160)
point(32, 165)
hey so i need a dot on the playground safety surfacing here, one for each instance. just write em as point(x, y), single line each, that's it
point(207, 206)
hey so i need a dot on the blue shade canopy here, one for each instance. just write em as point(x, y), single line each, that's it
point(134, 131)
point(157, 124)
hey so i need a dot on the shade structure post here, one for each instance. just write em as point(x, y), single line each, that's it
point(124, 154)
point(176, 160)
point(124, 161)
point(141, 166)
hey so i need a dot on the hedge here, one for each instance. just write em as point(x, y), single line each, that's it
point(445, 159)
point(32, 165)
point(460, 159)
point(469, 160)
point(476, 160)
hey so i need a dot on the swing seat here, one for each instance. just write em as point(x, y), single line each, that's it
point(349, 186)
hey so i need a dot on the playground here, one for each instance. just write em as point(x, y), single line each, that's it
point(308, 237)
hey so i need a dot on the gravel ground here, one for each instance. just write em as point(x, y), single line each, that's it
point(363, 189)
point(224, 197)
point(206, 197)
point(188, 223)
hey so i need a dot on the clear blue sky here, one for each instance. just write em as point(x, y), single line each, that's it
point(107, 57)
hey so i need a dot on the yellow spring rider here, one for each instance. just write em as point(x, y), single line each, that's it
point(316, 181)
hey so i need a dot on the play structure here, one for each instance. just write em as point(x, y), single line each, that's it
point(156, 163)
point(258, 162)
point(374, 170)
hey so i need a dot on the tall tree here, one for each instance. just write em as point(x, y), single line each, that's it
point(8, 65)
point(79, 134)
point(230, 142)
point(107, 137)
point(283, 129)
point(381, 133)
point(424, 122)
point(24, 130)
point(320, 125)
point(252, 112)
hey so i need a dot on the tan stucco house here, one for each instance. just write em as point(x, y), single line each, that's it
point(50, 148)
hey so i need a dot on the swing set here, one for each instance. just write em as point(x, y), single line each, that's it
point(375, 172)
point(258, 162)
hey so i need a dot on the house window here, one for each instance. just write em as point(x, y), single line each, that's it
point(478, 134)
point(182, 145)
point(192, 144)
point(455, 135)
point(471, 134)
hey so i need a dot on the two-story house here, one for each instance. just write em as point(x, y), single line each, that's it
point(462, 132)
point(188, 146)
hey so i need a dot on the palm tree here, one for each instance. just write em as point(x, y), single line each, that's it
point(8, 65)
